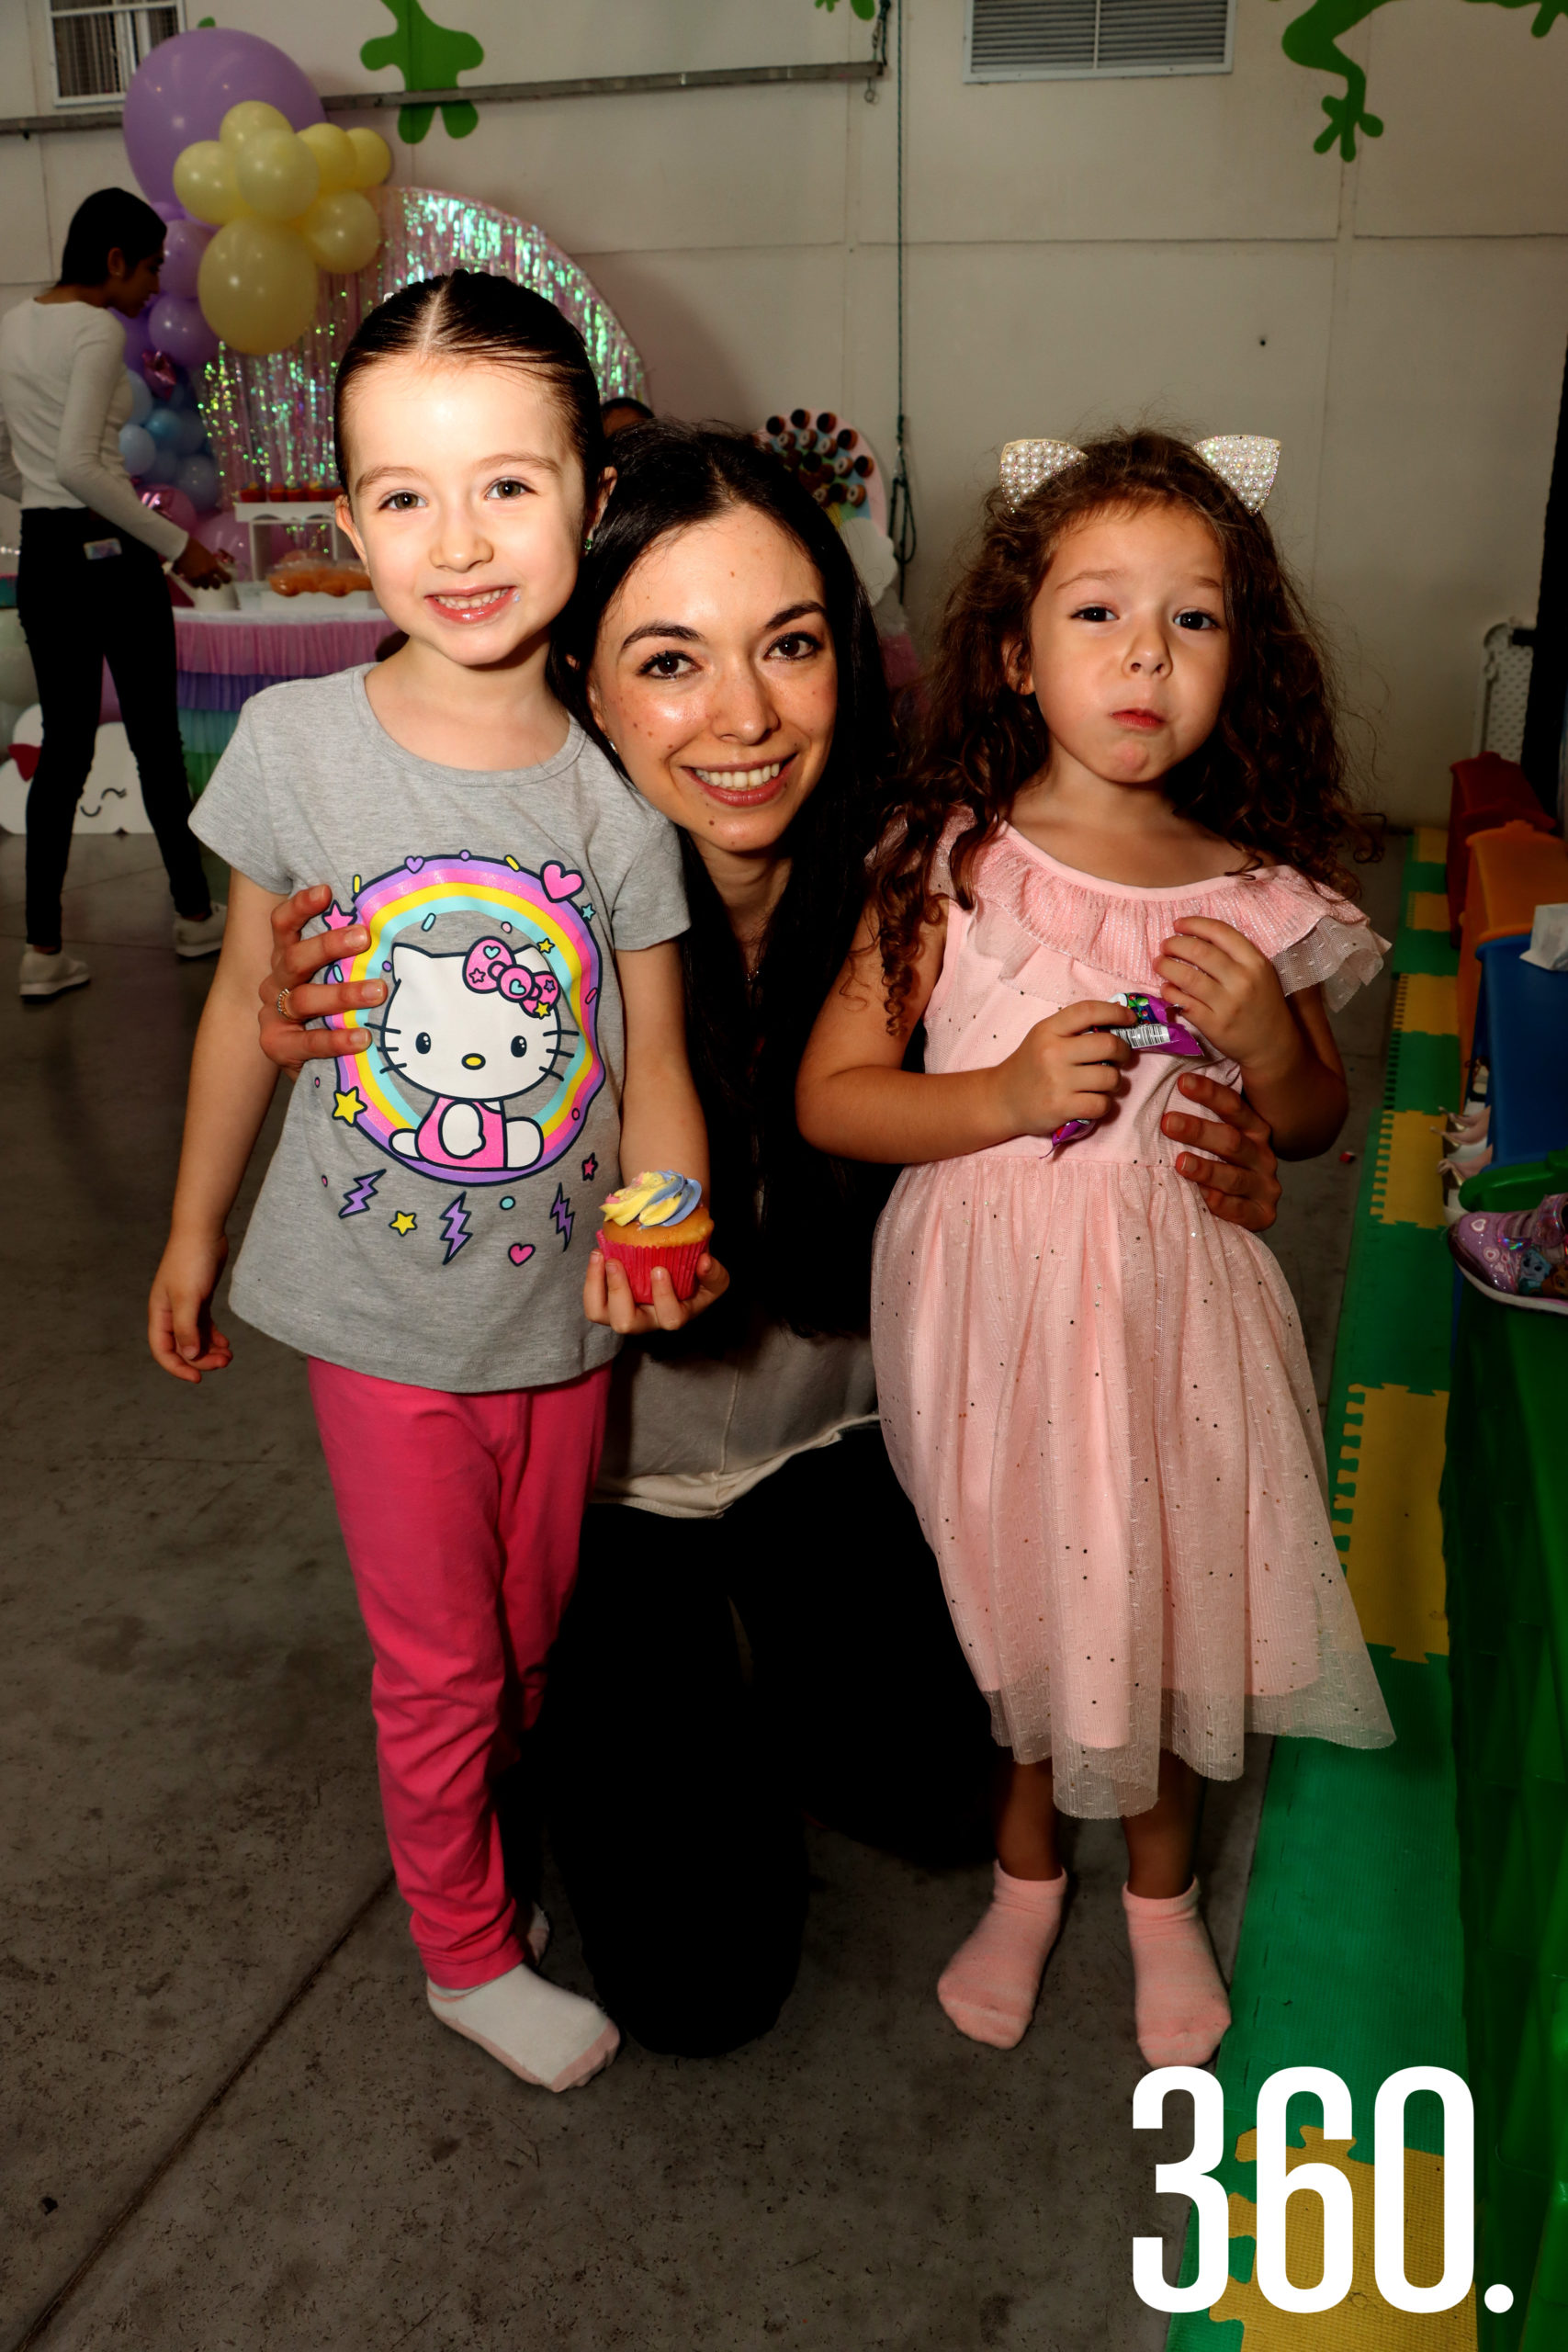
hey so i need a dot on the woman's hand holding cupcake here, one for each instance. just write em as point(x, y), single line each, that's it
point(651, 1268)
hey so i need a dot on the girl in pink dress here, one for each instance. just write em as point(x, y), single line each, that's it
point(1098, 1399)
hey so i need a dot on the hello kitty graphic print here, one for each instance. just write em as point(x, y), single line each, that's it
point(485, 1061)
point(430, 1207)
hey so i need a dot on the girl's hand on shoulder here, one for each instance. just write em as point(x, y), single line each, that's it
point(1211, 970)
point(180, 1329)
point(607, 1297)
point(1067, 1067)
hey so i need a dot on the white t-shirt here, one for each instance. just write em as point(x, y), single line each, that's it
point(688, 1435)
point(64, 397)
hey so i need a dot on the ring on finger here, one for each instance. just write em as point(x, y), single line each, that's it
point(283, 996)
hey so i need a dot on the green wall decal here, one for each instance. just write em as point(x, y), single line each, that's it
point(1312, 38)
point(429, 57)
point(867, 8)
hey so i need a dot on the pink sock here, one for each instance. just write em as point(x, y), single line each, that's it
point(1180, 2004)
point(991, 1984)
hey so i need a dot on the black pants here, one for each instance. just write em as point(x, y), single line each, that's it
point(675, 1778)
point(77, 613)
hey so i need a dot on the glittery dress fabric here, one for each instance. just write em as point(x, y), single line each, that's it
point(1095, 1392)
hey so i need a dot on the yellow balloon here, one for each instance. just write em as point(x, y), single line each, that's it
point(257, 285)
point(333, 153)
point(277, 175)
point(243, 122)
point(340, 229)
point(372, 158)
point(205, 182)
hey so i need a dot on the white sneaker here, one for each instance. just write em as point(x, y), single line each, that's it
point(193, 939)
point(48, 975)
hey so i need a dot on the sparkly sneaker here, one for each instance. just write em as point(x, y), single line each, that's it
point(1518, 1255)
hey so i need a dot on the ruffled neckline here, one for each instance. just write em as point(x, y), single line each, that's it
point(1077, 876)
point(1310, 933)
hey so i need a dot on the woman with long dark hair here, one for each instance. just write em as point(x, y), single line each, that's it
point(91, 586)
point(758, 1628)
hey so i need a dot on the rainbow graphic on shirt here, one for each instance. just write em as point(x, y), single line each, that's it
point(493, 930)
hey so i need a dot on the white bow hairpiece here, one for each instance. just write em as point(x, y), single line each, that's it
point(1248, 461)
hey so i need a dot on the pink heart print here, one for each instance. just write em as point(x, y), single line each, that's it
point(558, 882)
point(520, 1253)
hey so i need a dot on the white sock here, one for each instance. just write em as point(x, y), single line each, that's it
point(544, 2035)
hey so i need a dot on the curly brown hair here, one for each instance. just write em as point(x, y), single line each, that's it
point(1273, 776)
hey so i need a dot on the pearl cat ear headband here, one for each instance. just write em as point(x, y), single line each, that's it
point(1247, 461)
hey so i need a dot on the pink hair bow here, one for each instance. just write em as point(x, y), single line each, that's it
point(1248, 461)
point(490, 964)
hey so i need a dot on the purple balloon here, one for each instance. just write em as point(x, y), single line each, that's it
point(137, 339)
point(182, 90)
point(186, 244)
point(226, 533)
point(179, 329)
point(171, 213)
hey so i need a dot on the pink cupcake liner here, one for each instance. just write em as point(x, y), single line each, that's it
point(680, 1262)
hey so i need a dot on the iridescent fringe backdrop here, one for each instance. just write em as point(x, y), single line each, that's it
point(271, 420)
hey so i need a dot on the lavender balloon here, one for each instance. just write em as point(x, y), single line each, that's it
point(182, 90)
point(179, 328)
point(183, 249)
point(138, 340)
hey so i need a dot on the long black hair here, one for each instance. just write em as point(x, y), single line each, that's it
point(471, 314)
point(109, 220)
point(796, 1224)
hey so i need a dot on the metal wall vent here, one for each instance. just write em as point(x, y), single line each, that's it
point(1030, 41)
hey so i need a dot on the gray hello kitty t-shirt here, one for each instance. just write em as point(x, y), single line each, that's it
point(430, 1207)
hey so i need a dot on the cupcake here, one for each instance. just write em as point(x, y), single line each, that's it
point(659, 1220)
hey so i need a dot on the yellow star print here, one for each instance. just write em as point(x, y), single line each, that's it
point(402, 1223)
point(348, 1104)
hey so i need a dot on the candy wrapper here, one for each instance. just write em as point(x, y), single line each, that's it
point(1157, 1029)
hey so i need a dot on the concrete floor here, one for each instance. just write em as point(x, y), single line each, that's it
point(230, 2120)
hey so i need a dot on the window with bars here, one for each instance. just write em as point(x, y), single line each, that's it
point(97, 48)
point(1037, 41)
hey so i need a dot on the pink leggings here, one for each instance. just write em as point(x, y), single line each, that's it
point(461, 1515)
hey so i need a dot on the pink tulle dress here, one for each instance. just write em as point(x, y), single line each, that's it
point(1096, 1393)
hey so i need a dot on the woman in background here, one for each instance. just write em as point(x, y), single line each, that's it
point(91, 585)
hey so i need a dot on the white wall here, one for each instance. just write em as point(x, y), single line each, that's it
point(1078, 252)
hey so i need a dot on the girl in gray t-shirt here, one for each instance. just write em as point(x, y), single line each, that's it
point(508, 909)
